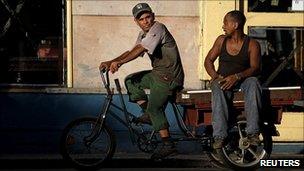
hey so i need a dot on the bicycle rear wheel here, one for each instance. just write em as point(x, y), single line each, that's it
point(84, 153)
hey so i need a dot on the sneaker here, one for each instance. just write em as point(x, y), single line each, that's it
point(167, 149)
point(254, 139)
point(218, 143)
point(144, 119)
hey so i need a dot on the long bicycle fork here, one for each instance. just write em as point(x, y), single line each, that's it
point(128, 120)
point(100, 121)
point(104, 110)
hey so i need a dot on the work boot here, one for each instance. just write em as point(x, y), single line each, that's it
point(218, 143)
point(254, 139)
point(144, 119)
point(167, 149)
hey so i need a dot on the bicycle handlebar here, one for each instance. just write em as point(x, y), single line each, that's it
point(104, 74)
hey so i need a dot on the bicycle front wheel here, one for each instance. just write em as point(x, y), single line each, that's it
point(84, 150)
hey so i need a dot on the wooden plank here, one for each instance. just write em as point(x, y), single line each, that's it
point(280, 97)
point(198, 104)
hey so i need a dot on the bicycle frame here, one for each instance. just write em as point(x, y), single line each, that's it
point(146, 141)
point(128, 117)
point(105, 110)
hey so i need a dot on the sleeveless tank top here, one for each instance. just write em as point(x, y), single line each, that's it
point(232, 64)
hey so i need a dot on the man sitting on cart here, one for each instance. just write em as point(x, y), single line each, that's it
point(166, 76)
point(239, 64)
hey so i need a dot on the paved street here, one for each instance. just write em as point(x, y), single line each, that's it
point(129, 163)
point(116, 164)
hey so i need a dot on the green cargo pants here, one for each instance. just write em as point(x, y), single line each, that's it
point(159, 95)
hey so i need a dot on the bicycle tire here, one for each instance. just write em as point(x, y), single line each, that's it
point(81, 155)
point(230, 158)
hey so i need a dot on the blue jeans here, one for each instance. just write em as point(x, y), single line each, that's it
point(221, 101)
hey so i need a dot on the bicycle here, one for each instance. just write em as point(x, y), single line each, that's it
point(89, 142)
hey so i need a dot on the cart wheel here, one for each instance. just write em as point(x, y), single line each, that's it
point(239, 154)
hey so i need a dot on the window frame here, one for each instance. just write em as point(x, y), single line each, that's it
point(61, 64)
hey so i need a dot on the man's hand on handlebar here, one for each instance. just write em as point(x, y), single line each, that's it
point(104, 66)
point(114, 66)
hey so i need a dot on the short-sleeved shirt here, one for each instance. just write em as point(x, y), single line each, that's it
point(163, 52)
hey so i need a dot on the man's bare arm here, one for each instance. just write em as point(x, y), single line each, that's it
point(131, 55)
point(211, 57)
point(123, 58)
point(255, 59)
point(107, 64)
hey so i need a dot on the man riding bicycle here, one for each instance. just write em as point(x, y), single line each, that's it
point(166, 76)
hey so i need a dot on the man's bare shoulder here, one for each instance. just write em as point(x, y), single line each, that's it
point(254, 44)
point(220, 39)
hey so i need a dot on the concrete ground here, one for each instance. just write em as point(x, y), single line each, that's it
point(131, 162)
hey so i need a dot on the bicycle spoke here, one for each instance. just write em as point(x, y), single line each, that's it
point(77, 132)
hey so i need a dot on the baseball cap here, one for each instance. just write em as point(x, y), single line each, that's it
point(140, 7)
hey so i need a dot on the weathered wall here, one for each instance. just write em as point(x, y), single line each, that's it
point(124, 7)
point(102, 30)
